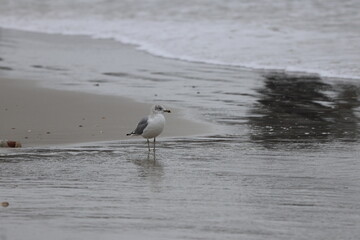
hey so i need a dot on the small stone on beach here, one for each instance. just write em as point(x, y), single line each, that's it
point(5, 204)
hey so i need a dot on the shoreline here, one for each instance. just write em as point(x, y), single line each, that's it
point(37, 116)
point(140, 47)
point(137, 47)
point(81, 66)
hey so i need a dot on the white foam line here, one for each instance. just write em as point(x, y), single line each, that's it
point(254, 48)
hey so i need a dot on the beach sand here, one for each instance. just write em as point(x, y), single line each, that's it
point(36, 116)
point(280, 163)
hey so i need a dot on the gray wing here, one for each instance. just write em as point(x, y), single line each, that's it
point(141, 126)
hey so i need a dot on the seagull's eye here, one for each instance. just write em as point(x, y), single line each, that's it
point(158, 108)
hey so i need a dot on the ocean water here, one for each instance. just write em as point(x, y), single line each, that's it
point(309, 36)
point(281, 163)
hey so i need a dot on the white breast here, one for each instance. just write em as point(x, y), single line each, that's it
point(155, 126)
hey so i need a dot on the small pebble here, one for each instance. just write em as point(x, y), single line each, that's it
point(48, 132)
point(5, 204)
point(80, 125)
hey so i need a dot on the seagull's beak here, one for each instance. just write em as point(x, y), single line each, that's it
point(168, 111)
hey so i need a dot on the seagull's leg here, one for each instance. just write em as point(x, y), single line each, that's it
point(154, 143)
point(148, 144)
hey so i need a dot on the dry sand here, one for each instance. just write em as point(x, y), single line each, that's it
point(38, 116)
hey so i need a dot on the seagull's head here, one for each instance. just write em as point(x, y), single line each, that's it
point(159, 109)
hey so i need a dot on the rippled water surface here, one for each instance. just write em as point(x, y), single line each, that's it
point(283, 163)
point(199, 188)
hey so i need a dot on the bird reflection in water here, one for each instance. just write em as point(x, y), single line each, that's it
point(294, 108)
point(149, 170)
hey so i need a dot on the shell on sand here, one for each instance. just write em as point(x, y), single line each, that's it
point(10, 144)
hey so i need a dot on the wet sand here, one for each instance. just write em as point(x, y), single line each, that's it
point(283, 163)
point(35, 116)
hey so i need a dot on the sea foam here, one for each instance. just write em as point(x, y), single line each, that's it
point(250, 41)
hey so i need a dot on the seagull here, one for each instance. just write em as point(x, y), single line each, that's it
point(152, 125)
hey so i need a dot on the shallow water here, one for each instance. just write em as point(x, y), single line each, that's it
point(283, 163)
point(197, 188)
